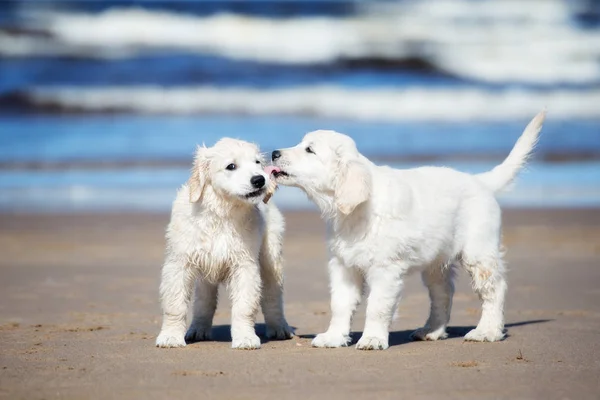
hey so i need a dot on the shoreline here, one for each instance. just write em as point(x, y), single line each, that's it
point(512, 215)
point(178, 163)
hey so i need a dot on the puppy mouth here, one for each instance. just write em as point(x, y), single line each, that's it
point(280, 174)
point(275, 171)
point(256, 193)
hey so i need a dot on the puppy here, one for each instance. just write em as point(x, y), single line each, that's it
point(221, 231)
point(385, 223)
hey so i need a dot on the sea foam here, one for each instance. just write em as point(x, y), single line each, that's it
point(418, 104)
point(493, 41)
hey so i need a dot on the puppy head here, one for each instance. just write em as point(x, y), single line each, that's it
point(233, 168)
point(325, 163)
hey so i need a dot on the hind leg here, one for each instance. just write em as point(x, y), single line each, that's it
point(482, 258)
point(205, 305)
point(489, 283)
point(439, 282)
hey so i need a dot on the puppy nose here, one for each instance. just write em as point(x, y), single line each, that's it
point(257, 181)
point(275, 155)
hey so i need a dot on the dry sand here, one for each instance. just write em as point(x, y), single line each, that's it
point(79, 315)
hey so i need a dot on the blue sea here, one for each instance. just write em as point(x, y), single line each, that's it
point(103, 102)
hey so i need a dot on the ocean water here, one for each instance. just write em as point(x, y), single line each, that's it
point(102, 103)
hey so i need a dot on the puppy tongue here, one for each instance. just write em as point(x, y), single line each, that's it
point(272, 169)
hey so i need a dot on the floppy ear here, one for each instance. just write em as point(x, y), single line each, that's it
point(199, 174)
point(353, 186)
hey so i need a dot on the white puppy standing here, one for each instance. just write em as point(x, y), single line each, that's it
point(220, 231)
point(384, 223)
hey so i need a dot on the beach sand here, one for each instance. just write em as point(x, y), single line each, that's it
point(79, 314)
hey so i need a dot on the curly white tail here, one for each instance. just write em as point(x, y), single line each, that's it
point(499, 177)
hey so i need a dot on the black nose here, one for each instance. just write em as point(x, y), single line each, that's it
point(257, 181)
point(275, 155)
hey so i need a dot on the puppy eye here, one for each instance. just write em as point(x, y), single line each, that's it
point(258, 162)
point(309, 150)
point(230, 167)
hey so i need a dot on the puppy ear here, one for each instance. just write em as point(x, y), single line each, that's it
point(199, 174)
point(353, 187)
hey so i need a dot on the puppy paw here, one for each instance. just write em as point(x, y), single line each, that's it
point(477, 335)
point(331, 340)
point(372, 343)
point(427, 334)
point(198, 333)
point(281, 332)
point(170, 339)
point(246, 342)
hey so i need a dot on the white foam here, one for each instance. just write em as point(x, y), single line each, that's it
point(448, 104)
point(495, 41)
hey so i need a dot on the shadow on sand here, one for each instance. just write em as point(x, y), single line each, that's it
point(403, 337)
point(222, 333)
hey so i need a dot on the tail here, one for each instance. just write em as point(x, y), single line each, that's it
point(498, 178)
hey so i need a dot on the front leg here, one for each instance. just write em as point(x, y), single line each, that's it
point(385, 285)
point(244, 287)
point(271, 273)
point(175, 292)
point(346, 291)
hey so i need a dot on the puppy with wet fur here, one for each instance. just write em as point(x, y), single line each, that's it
point(385, 223)
point(222, 232)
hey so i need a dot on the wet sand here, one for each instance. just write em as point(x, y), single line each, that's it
point(79, 314)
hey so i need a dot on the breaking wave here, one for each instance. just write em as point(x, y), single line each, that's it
point(493, 41)
point(443, 104)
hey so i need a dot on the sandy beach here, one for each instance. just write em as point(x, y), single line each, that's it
point(79, 314)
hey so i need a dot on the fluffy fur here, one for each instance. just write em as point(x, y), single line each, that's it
point(385, 223)
point(220, 231)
